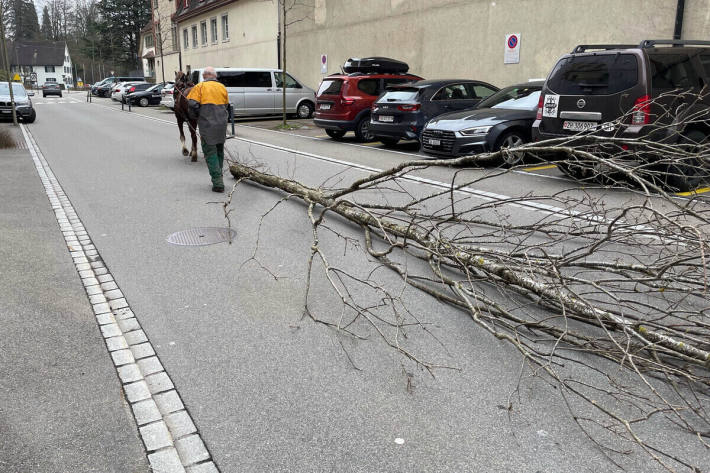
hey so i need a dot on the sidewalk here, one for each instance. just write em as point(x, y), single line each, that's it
point(61, 403)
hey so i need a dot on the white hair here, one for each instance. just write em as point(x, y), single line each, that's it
point(209, 71)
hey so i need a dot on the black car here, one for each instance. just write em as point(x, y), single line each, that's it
point(144, 94)
point(502, 120)
point(401, 112)
point(651, 91)
point(23, 104)
point(50, 88)
point(104, 88)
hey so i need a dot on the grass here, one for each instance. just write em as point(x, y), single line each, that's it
point(7, 138)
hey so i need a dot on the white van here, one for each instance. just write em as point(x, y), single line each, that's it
point(259, 92)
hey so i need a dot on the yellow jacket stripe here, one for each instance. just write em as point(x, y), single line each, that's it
point(209, 92)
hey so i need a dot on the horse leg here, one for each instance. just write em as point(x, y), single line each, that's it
point(193, 135)
point(180, 121)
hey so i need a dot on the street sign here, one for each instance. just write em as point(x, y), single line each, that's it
point(324, 64)
point(512, 49)
point(16, 77)
point(33, 76)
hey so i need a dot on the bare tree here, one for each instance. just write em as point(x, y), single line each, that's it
point(606, 300)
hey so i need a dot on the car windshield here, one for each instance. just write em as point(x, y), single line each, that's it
point(17, 89)
point(515, 97)
point(154, 88)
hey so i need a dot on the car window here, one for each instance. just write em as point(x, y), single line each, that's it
point(290, 81)
point(454, 92)
point(232, 78)
point(393, 81)
point(400, 95)
point(672, 71)
point(195, 77)
point(257, 79)
point(705, 61)
point(330, 87)
point(515, 97)
point(598, 74)
point(369, 86)
point(481, 91)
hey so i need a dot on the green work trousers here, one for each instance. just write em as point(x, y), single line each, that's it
point(214, 155)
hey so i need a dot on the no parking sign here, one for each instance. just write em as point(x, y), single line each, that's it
point(512, 49)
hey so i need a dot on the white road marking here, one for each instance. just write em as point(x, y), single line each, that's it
point(148, 389)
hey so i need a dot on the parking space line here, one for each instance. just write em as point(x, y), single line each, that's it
point(701, 190)
point(540, 168)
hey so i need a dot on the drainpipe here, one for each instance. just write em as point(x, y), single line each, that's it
point(680, 9)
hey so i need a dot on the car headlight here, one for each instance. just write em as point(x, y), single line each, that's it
point(479, 130)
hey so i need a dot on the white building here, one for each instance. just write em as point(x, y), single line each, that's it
point(40, 62)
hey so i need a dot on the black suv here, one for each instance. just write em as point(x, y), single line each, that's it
point(648, 91)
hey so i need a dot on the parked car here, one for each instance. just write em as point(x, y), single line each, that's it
point(50, 88)
point(119, 90)
point(344, 101)
point(503, 120)
point(402, 110)
point(23, 104)
point(167, 98)
point(631, 91)
point(259, 92)
point(104, 88)
point(130, 89)
point(149, 96)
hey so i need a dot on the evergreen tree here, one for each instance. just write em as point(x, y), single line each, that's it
point(120, 25)
point(46, 30)
point(25, 24)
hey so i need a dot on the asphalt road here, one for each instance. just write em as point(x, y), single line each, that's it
point(268, 389)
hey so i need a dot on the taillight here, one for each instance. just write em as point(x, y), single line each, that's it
point(540, 103)
point(641, 114)
point(133, 89)
point(409, 107)
point(347, 100)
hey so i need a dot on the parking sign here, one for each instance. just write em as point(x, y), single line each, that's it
point(512, 49)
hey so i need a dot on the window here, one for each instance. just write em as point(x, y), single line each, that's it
point(481, 91)
point(290, 81)
point(705, 61)
point(330, 87)
point(203, 32)
point(600, 74)
point(50, 79)
point(225, 27)
point(369, 86)
point(517, 98)
point(173, 37)
point(213, 28)
point(48, 68)
point(185, 39)
point(194, 36)
point(149, 41)
point(244, 78)
point(672, 71)
point(388, 82)
point(454, 92)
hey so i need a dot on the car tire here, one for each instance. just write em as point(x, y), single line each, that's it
point(144, 102)
point(32, 117)
point(305, 110)
point(389, 142)
point(362, 130)
point(335, 134)
point(511, 139)
point(684, 177)
point(60, 96)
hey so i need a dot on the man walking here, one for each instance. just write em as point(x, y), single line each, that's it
point(208, 102)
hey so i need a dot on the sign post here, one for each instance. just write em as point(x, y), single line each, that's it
point(512, 49)
point(324, 64)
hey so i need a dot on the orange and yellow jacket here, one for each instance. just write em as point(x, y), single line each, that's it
point(208, 102)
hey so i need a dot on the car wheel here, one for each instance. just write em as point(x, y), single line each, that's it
point(60, 96)
point(335, 134)
point(389, 142)
point(32, 117)
point(362, 131)
point(508, 141)
point(685, 176)
point(305, 110)
point(143, 102)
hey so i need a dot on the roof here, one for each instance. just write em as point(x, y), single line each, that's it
point(197, 7)
point(36, 53)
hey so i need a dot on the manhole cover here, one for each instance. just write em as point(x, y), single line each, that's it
point(201, 236)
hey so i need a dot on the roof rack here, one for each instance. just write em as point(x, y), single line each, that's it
point(584, 47)
point(649, 43)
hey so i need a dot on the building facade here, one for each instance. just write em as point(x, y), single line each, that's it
point(437, 38)
point(40, 62)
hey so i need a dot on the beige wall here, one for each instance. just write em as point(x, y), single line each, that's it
point(465, 38)
point(253, 29)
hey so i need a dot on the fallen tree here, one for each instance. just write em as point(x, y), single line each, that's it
point(626, 283)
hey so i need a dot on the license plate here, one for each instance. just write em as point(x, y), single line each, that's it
point(325, 106)
point(386, 118)
point(434, 142)
point(579, 126)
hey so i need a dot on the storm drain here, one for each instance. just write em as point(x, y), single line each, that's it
point(202, 236)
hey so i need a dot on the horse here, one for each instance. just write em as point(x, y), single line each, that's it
point(183, 85)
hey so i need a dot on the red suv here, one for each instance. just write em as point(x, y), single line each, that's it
point(343, 101)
